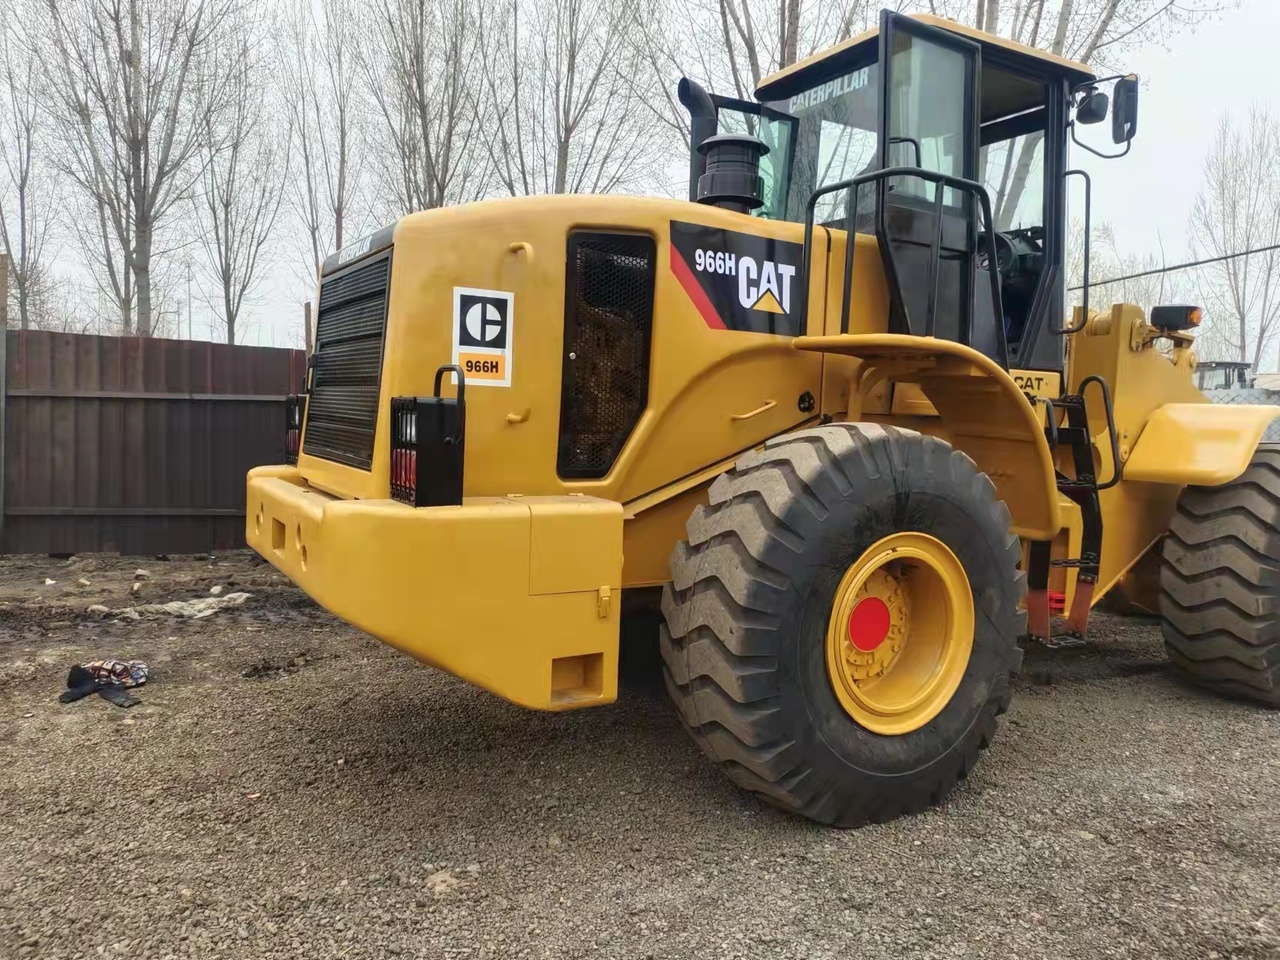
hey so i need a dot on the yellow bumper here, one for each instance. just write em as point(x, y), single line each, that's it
point(518, 595)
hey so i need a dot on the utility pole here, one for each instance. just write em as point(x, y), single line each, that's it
point(4, 373)
point(191, 332)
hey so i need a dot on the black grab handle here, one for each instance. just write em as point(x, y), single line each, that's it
point(1111, 427)
point(462, 380)
point(462, 403)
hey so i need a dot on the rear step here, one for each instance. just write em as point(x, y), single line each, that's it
point(1082, 489)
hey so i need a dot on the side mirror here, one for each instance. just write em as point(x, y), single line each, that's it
point(1124, 118)
point(1093, 108)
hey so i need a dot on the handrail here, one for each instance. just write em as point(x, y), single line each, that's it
point(1116, 468)
point(1068, 328)
point(939, 180)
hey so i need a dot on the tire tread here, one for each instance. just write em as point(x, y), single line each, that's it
point(723, 635)
point(1220, 584)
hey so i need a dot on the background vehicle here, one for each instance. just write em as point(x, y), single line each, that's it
point(831, 409)
point(1224, 374)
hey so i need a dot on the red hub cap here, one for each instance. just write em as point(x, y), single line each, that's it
point(868, 624)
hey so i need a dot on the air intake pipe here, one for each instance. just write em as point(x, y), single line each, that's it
point(702, 126)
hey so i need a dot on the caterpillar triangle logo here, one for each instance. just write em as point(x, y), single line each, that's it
point(764, 285)
point(768, 303)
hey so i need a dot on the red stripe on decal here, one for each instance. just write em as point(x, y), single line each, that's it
point(694, 289)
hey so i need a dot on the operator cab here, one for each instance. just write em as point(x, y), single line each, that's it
point(947, 109)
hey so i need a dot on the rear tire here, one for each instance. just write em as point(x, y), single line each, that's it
point(748, 609)
point(1220, 583)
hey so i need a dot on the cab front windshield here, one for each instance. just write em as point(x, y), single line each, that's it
point(827, 134)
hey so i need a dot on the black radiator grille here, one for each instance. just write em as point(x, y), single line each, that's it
point(608, 321)
point(347, 367)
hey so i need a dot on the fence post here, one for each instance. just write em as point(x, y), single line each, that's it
point(4, 379)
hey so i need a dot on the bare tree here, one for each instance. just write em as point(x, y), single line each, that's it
point(660, 63)
point(245, 160)
point(729, 46)
point(1238, 209)
point(750, 39)
point(319, 80)
point(733, 44)
point(26, 187)
point(1119, 276)
point(135, 84)
point(566, 109)
point(423, 67)
point(1094, 32)
point(757, 37)
point(105, 251)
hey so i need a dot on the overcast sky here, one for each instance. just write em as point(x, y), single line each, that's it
point(1224, 65)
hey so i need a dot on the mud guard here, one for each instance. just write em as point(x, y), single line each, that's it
point(985, 413)
point(1198, 444)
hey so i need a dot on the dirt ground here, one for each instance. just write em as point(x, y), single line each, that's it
point(290, 788)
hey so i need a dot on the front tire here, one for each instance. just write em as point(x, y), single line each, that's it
point(795, 538)
point(1220, 583)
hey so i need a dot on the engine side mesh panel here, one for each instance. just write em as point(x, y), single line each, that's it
point(608, 327)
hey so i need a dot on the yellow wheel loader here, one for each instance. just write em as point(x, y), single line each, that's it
point(833, 407)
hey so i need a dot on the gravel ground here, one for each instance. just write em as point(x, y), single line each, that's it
point(289, 788)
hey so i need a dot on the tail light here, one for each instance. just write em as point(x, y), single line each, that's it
point(293, 426)
point(427, 445)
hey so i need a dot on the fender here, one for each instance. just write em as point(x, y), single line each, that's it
point(1213, 443)
point(984, 412)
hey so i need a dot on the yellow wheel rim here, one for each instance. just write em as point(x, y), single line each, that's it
point(900, 633)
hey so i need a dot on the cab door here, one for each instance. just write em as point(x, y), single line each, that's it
point(928, 230)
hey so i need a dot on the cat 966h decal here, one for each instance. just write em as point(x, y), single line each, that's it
point(739, 281)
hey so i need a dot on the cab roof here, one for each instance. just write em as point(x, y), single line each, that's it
point(794, 78)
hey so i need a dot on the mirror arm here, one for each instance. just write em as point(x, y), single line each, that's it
point(1086, 84)
point(1097, 153)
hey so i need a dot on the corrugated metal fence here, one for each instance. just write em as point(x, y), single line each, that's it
point(1250, 395)
point(136, 445)
point(140, 445)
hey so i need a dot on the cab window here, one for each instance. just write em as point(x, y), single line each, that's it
point(835, 139)
point(1011, 164)
point(927, 113)
point(776, 130)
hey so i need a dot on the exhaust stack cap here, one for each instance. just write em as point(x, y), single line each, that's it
point(732, 179)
